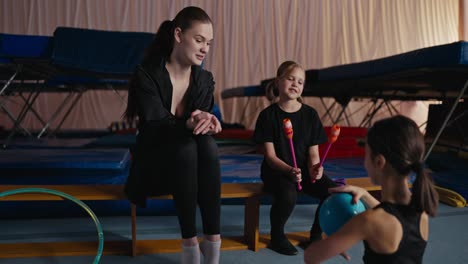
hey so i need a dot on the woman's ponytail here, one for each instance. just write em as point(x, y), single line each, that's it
point(163, 42)
point(161, 47)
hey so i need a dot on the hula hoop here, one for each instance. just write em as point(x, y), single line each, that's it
point(71, 198)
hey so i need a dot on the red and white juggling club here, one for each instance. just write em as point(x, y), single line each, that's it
point(288, 130)
point(334, 133)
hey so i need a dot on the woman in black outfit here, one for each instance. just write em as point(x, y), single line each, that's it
point(172, 96)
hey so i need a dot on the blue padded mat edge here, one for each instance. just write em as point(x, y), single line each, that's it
point(64, 158)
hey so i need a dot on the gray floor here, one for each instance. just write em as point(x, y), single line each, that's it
point(448, 236)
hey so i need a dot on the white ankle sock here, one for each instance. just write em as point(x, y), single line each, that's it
point(211, 251)
point(190, 254)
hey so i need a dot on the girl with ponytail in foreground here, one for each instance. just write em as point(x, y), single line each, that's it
point(394, 230)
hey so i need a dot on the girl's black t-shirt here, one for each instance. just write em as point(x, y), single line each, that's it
point(307, 131)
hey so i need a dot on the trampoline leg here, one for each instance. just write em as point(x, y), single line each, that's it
point(328, 109)
point(10, 81)
point(447, 118)
point(57, 112)
point(32, 98)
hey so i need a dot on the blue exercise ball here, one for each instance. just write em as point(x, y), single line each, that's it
point(336, 210)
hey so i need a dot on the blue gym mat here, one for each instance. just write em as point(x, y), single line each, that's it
point(63, 166)
point(46, 143)
point(37, 159)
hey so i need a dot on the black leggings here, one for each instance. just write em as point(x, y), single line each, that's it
point(284, 200)
point(197, 180)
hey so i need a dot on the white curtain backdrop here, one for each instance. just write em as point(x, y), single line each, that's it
point(251, 39)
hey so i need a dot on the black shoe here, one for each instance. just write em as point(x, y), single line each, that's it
point(284, 247)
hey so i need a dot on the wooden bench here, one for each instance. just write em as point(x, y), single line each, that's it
point(251, 192)
point(251, 239)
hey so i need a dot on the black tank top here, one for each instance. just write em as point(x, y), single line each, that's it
point(412, 245)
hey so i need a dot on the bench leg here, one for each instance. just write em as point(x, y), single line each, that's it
point(251, 222)
point(134, 239)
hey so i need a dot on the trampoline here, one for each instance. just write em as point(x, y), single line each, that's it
point(74, 61)
point(432, 73)
point(17, 54)
point(437, 72)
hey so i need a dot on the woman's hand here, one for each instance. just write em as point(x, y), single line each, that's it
point(203, 123)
